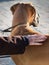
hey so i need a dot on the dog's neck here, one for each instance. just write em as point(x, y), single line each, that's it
point(22, 29)
point(22, 24)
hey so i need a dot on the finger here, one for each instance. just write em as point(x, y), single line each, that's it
point(10, 39)
point(37, 36)
point(3, 39)
point(35, 44)
point(40, 39)
point(46, 35)
point(18, 37)
point(36, 39)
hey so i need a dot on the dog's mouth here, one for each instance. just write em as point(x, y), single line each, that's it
point(34, 24)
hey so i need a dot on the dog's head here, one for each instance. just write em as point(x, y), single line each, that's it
point(29, 9)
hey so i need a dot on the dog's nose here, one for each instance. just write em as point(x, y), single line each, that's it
point(34, 24)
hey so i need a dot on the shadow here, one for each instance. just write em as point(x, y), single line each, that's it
point(9, 48)
point(5, 0)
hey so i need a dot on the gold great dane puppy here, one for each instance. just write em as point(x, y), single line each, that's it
point(24, 16)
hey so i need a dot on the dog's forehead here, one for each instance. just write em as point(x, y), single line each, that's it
point(26, 4)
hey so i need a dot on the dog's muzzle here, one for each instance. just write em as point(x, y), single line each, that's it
point(36, 22)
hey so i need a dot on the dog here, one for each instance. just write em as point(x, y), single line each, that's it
point(23, 16)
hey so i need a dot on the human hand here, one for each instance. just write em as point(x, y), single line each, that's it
point(36, 39)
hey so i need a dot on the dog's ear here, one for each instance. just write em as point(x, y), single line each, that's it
point(13, 8)
point(34, 22)
point(33, 14)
